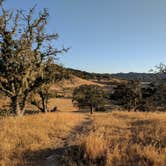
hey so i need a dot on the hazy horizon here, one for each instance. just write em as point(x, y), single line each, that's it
point(108, 36)
point(148, 72)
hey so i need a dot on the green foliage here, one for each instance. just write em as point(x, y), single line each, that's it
point(128, 95)
point(91, 96)
point(157, 99)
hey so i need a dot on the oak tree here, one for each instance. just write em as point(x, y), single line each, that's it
point(25, 49)
point(91, 96)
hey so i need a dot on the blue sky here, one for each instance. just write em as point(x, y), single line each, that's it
point(106, 35)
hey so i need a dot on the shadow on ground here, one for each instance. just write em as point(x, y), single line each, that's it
point(69, 154)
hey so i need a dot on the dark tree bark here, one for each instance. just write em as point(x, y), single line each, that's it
point(18, 105)
point(91, 109)
point(44, 105)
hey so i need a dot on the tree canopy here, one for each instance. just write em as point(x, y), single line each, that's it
point(91, 96)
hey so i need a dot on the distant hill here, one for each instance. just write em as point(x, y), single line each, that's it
point(145, 77)
point(87, 75)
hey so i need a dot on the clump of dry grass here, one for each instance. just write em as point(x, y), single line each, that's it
point(32, 137)
point(93, 146)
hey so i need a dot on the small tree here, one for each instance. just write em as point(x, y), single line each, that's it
point(159, 98)
point(52, 74)
point(128, 95)
point(161, 68)
point(24, 51)
point(91, 96)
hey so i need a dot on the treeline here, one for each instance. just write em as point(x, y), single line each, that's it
point(143, 97)
point(143, 77)
point(131, 96)
point(88, 75)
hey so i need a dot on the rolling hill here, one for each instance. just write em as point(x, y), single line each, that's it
point(144, 77)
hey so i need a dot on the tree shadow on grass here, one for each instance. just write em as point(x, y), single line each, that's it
point(4, 112)
point(62, 156)
point(81, 111)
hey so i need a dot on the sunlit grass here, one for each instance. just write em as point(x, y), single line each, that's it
point(117, 138)
point(24, 137)
point(131, 138)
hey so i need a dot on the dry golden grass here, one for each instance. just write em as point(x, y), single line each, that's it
point(132, 139)
point(65, 87)
point(94, 146)
point(106, 139)
point(73, 83)
point(62, 104)
point(31, 137)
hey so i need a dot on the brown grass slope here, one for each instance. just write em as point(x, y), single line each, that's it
point(73, 82)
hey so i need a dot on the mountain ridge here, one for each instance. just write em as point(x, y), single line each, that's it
point(145, 77)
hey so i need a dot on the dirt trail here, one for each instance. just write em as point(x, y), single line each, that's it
point(61, 156)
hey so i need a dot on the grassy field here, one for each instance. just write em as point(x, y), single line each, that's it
point(110, 139)
point(28, 139)
point(123, 138)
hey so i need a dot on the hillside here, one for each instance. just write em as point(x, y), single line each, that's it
point(144, 77)
point(73, 82)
